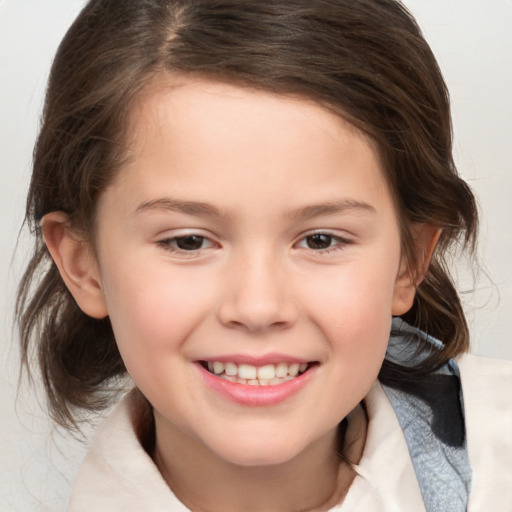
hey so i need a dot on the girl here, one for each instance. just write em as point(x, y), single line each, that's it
point(234, 203)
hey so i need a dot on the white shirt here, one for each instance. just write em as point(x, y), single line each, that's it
point(119, 476)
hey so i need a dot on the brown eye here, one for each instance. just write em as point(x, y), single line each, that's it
point(189, 243)
point(319, 241)
point(186, 245)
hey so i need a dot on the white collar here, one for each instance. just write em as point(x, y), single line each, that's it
point(118, 475)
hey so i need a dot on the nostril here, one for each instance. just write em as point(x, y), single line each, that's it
point(254, 326)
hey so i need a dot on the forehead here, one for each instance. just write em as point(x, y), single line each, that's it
point(192, 135)
point(183, 101)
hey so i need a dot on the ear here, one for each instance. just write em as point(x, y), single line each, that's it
point(76, 263)
point(425, 239)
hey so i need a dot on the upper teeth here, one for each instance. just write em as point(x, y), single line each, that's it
point(250, 372)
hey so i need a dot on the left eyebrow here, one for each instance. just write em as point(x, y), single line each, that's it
point(330, 208)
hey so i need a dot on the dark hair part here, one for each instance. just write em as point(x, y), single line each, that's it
point(364, 59)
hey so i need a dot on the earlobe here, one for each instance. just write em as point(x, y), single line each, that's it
point(425, 239)
point(76, 263)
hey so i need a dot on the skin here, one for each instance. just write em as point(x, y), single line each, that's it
point(273, 171)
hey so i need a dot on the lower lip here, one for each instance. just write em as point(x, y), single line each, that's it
point(256, 396)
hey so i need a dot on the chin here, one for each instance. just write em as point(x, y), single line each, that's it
point(258, 459)
point(268, 451)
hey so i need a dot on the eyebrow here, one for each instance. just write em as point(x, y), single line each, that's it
point(201, 209)
point(330, 208)
point(195, 208)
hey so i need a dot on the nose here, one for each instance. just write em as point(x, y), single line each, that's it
point(257, 295)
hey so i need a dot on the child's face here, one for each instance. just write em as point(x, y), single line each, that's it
point(249, 228)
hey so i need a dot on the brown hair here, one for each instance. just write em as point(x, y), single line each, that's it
point(364, 59)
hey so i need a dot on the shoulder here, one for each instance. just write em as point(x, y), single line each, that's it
point(486, 386)
point(117, 474)
point(487, 393)
point(485, 367)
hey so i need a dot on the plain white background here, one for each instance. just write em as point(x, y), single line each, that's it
point(473, 43)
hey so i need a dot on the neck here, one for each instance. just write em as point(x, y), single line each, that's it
point(314, 479)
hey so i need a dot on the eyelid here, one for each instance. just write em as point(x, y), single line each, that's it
point(342, 241)
point(166, 242)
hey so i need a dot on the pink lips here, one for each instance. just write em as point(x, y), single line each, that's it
point(255, 396)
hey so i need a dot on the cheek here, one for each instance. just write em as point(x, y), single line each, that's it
point(353, 309)
point(356, 297)
point(151, 310)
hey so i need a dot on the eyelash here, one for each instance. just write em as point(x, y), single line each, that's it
point(171, 244)
point(340, 243)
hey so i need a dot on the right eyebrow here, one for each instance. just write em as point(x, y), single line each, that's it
point(199, 209)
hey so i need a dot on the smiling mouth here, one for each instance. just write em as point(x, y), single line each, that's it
point(266, 375)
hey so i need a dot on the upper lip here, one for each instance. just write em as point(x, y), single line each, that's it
point(259, 360)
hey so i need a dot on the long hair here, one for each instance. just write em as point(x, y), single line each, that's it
point(365, 60)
